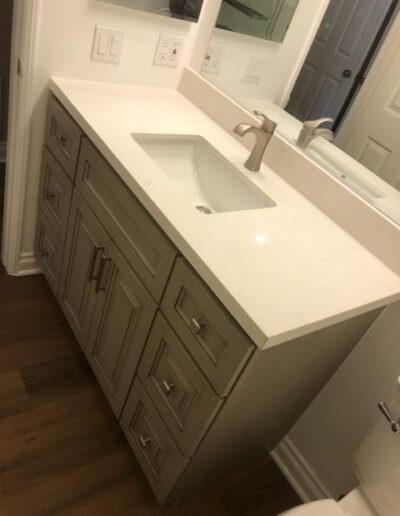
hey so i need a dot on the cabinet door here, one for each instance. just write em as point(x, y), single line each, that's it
point(86, 243)
point(123, 315)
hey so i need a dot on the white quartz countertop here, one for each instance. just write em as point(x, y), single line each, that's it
point(282, 272)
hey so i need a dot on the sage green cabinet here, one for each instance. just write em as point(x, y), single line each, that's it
point(122, 318)
point(82, 268)
point(196, 399)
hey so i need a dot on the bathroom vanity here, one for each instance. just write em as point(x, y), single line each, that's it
point(209, 331)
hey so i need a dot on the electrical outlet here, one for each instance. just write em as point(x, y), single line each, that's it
point(255, 70)
point(213, 59)
point(168, 50)
point(107, 45)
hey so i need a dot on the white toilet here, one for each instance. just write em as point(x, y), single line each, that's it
point(377, 465)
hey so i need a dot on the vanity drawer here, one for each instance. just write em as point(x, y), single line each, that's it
point(154, 447)
point(214, 339)
point(55, 194)
point(181, 393)
point(142, 242)
point(49, 251)
point(63, 136)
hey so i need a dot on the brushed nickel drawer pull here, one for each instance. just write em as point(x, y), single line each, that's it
point(61, 139)
point(144, 441)
point(93, 274)
point(50, 196)
point(168, 387)
point(101, 285)
point(195, 326)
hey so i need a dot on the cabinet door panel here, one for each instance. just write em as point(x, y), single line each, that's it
point(55, 194)
point(48, 252)
point(181, 393)
point(123, 316)
point(85, 242)
point(155, 449)
point(63, 136)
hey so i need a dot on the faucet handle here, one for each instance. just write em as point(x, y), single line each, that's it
point(267, 125)
point(316, 123)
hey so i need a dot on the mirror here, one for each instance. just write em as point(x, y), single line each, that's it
point(339, 60)
point(258, 18)
point(182, 9)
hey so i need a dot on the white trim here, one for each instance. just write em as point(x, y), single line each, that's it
point(298, 472)
point(28, 265)
point(24, 45)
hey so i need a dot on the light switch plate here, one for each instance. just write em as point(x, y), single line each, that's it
point(255, 70)
point(213, 59)
point(168, 50)
point(107, 45)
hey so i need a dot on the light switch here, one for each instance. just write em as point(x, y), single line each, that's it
point(168, 50)
point(107, 45)
point(255, 70)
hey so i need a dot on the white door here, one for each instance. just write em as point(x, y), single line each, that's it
point(371, 133)
point(336, 56)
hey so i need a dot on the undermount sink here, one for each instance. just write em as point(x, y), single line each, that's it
point(211, 183)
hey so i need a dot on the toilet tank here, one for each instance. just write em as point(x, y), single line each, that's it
point(377, 465)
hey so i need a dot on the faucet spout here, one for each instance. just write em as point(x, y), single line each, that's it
point(311, 130)
point(243, 129)
point(263, 136)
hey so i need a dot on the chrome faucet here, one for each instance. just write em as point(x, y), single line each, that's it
point(312, 130)
point(263, 135)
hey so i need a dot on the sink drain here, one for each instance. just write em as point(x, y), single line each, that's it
point(204, 209)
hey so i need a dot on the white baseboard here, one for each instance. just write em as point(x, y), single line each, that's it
point(298, 472)
point(28, 265)
point(3, 152)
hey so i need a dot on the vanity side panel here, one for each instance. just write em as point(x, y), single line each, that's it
point(274, 390)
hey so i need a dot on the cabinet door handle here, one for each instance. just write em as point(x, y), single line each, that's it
point(195, 326)
point(44, 253)
point(50, 196)
point(93, 274)
point(168, 387)
point(144, 441)
point(61, 139)
point(101, 285)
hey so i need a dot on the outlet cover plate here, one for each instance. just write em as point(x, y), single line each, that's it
point(168, 50)
point(213, 59)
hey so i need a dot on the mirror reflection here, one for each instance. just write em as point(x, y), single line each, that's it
point(183, 9)
point(332, 86)
point(258, 18)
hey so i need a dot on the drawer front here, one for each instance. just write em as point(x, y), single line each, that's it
point(181, 393)
point(219, 346)
point(55, 194)
point(49, 252)
point(150, 440)
point(63, 136)
point(143, 243)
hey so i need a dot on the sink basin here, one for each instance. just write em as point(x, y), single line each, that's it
point(211, 183)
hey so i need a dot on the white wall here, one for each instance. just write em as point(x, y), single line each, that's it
point(329, 431)
point(284, 60)
point(64, 48)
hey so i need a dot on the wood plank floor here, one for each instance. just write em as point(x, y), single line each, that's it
point(61, 450)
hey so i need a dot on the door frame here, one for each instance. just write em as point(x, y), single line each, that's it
point(25, 34)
